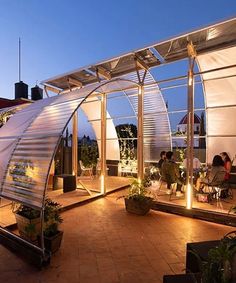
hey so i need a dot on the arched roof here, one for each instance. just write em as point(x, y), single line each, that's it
point(29, 140)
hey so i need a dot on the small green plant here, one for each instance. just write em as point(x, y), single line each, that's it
point(52, 218)
point(89, 154)
point(25, 211)
point(138, 190)
point(219, 266)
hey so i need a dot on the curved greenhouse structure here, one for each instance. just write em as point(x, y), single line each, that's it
point(30, 139)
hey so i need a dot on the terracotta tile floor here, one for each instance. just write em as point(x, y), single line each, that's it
point(104, 244)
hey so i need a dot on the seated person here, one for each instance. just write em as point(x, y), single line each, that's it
point(227, 164)
point(170, 173)
point(217, 166)
point(163, 158)
point(196, 168)
point(196, 164)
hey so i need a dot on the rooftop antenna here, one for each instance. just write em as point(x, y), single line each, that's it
point(19, 59)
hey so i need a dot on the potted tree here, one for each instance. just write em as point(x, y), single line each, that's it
point(138, 200)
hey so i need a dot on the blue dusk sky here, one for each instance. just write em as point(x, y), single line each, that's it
point(61, 35)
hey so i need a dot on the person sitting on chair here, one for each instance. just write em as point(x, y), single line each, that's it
point(227, 164)
point(217, 166)
point(196, 164)
point(162, 159)
point(171, 174)
point(196, 168)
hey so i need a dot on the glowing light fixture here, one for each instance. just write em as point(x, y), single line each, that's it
point(102, 184)
point(189, 197)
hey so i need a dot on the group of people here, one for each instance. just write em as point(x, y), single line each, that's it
point(170, 170)
point(220, 163)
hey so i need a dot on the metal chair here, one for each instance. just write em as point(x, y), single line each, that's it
point(215, 187)
point(163, 180)
point(86, 171)
point(98, 168)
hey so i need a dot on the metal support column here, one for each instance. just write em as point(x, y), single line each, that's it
point(190, 127)
point(103, 143)
point(75, 146)
point(140, 133)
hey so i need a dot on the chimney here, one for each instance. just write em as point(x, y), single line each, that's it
point(21, 90)
point(36, 93)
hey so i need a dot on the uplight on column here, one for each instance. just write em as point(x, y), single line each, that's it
point(189, 196)
point(102, 183)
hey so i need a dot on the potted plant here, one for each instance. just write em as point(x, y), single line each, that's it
point(29, 224)
point(138, 200)
point(52, 220)
point(28, 221)
point(220, 265)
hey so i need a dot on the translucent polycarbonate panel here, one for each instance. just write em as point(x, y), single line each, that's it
point(12, 132)
point(93, 112)
point(155, 121)
point(220, 86)
point(119, 107)
point(216, 92)
point(44, 121)
point(220, 89)
point(210, 38)
point(221, 121)
point(220, 144)
point(27, 170)
point(111, 145)
point(36, 138)
point(6, 148)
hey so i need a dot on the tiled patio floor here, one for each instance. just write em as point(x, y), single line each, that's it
point(104, 244)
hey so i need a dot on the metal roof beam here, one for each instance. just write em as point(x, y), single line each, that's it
point(74, 82)
point(140, 64)
point(102, 72)
point(50, 88)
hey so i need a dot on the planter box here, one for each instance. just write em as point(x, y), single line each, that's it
point(182, 278)
point(201, 249)
point(53, 243)
point(137, 206)
point(23, 222)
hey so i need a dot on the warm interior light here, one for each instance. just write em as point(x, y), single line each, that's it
point(102, 184)
point(189, 196)
point(190, 81)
